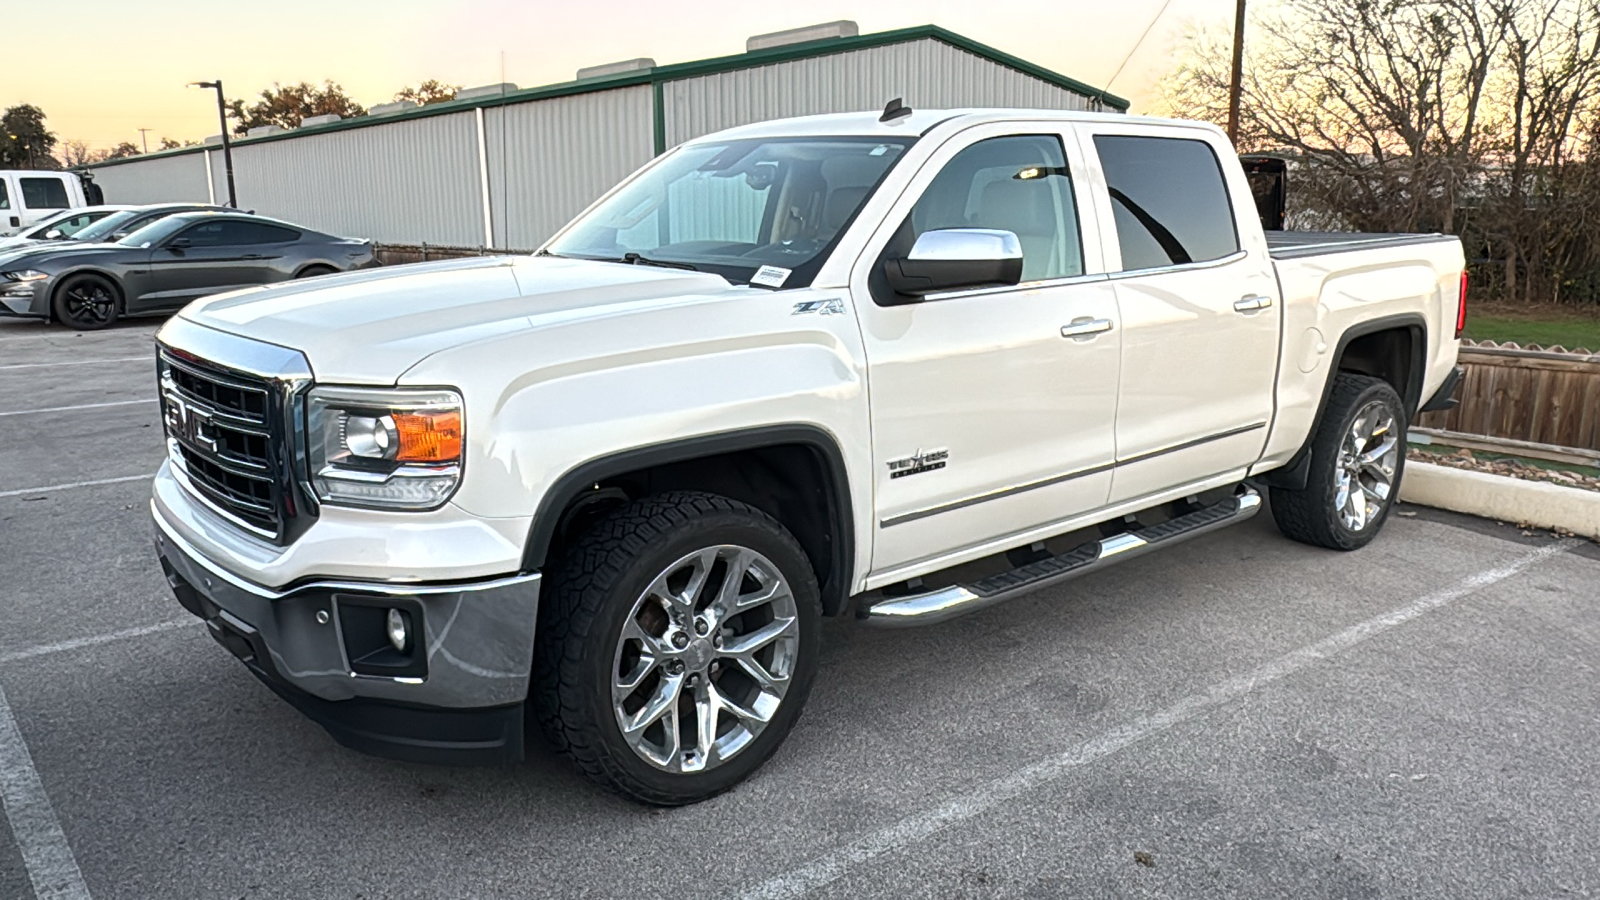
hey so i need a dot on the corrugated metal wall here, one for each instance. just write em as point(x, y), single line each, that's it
point(418, 179)
point(168, 178)
point(926, 74)
point(402, 182)
point(550, 159)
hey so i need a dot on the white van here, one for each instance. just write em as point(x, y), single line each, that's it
point(29, 195)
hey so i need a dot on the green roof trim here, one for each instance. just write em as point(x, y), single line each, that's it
point(660, 74)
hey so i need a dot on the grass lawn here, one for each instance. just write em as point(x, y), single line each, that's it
point(1546, 326)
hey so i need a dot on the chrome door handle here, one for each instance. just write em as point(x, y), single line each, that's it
point(1083, 326)
point(1251, 304)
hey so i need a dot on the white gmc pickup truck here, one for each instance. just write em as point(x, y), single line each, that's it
point(900, 367)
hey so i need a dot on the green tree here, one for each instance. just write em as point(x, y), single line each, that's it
point(288, 105)
point(430, 91)
point(25, 141)
point(123, 150)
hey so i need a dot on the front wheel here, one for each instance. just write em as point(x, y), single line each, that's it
point(86, 302)
point(1358, 455)
point(677, 646)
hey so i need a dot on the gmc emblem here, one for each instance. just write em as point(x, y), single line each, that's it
point(191, 423)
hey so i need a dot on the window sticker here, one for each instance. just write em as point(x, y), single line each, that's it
point(771, 276)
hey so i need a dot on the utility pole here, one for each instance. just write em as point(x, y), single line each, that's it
point(144, 137)
point(227, 147)
point(1238, 72)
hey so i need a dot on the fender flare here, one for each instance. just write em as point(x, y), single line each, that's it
point(1295, 473)
point(841, 513)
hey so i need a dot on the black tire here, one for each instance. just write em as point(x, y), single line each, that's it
point(1311, 515)
point(590, 599)
point(314, 271)
point(86, 302)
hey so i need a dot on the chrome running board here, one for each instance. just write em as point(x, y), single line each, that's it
point(958, 600)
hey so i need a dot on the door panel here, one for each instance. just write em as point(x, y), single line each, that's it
point(986, 419)
point(207, 258)
point(1199, 309)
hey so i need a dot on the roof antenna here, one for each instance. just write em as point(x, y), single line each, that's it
point(895, 111)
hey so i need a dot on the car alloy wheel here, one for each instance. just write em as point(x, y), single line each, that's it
point(705, 658)
point(1368, 459)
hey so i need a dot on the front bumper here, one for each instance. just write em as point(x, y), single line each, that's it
point(475, 649)
point(24, 300)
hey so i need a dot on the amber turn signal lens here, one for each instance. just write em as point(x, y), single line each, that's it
point(428, 437)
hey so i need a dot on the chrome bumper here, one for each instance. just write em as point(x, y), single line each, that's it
point(476, 637)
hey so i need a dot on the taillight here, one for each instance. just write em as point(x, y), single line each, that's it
point(1461, 306)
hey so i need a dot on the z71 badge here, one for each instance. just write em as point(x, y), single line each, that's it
point(918, 463)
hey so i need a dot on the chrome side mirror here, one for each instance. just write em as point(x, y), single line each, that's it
point(949, 259)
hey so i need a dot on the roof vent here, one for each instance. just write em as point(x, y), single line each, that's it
point(485, 90)
point(388, 109)
point(312, 121)
point(264, 130)
point(840, 29)
point(616, 68)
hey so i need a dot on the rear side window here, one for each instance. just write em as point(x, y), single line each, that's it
point(44, 193)
point(1169, 199)
point(272, 234)
point(5, 198)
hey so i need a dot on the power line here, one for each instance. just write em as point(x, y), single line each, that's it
point(1139, 42)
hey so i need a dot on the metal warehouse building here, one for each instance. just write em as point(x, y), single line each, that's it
point(502, 167)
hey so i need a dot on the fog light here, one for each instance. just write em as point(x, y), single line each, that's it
point(399, 630)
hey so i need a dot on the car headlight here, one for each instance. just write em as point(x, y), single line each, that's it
point(385, 448)
point(26, 275)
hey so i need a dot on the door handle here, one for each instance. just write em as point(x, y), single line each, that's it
point(253, 256)
point(1083, 327)
point(1252, 303)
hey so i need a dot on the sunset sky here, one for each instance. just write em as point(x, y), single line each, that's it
point(115, 67)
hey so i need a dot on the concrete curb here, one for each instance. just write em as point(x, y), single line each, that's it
point(1536, 503)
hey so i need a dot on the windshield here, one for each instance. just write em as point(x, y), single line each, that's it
point(38, 231)
point(761, 211)
point(100, 230)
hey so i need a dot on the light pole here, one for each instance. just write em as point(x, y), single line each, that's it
point(227, 148)
point(144, 137)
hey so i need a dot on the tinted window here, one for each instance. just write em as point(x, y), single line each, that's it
point(1169, 199)
point(5, 199)
point(44, 193)
point(273, 234)
point(1016, 184)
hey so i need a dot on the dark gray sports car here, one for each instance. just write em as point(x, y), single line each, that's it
point(164, 265)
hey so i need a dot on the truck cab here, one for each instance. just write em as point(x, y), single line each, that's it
point(902, 367)
point(28, 196)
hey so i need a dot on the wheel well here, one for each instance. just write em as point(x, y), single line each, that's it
point(799, 483)
point(320, 268)
point(1394, 355)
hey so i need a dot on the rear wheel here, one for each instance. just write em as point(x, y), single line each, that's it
point(314, 271)
point(1358, 456)
point(677, 647)
point(86, 302)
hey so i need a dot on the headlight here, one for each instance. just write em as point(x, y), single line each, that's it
point(384, 448)
point(26, 275)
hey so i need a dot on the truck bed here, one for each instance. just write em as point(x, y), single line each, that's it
point(1296, 244)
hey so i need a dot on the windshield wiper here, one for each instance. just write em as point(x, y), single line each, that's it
point(634, 259)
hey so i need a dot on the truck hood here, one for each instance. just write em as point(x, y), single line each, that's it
point(370, 326)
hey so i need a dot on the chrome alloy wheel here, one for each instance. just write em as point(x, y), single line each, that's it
point(705, 658)
point(1369, 457)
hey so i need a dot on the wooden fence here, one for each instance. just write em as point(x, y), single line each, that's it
point(400, 254)
point(1539, 396)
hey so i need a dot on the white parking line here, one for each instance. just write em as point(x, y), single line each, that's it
point(77, 362)
point(833, 865)
point(92, 641)
point(47, 409)
point(45, 852)
point(50, 488)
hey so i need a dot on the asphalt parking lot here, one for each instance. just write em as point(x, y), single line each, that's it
point(1239, 716)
